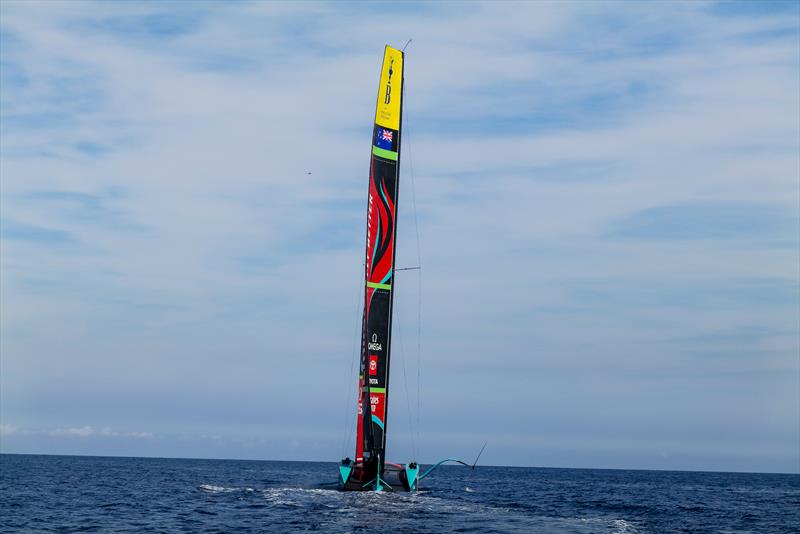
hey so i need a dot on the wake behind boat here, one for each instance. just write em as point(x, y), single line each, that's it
point(370, 470)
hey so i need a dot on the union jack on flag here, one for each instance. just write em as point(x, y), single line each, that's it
point(384, 138)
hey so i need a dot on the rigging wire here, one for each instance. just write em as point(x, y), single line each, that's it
point(411, 427)
point(407, 152)
point(405, 376)
point(348, 411)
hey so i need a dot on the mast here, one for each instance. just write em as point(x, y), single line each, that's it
point(376, 331)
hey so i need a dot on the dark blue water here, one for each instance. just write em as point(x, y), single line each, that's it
point(84, 493)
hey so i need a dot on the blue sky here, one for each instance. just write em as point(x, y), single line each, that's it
point(608, 198)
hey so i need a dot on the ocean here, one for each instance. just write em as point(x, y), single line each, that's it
point(107, 494)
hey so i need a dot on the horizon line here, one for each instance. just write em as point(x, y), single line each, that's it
point(421, 463)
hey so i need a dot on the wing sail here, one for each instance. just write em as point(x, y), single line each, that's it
point(379, 265)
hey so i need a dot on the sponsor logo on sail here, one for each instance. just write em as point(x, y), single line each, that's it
point(388, 97)
point(374, 344)
point(390, 91)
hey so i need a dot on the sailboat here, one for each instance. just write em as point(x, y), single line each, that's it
point(369, 470)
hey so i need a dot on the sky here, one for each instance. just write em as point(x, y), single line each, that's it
point(606, 198)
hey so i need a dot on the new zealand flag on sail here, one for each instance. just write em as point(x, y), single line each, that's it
point(385, 138)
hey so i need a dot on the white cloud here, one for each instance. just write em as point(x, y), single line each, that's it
point(83, 432)
point(108, 432)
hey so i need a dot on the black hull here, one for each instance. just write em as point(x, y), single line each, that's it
point(394, 478)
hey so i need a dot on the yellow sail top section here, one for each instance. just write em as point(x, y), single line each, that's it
point(387, 113)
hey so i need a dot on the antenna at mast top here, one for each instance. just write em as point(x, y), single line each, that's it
point(407, 43)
